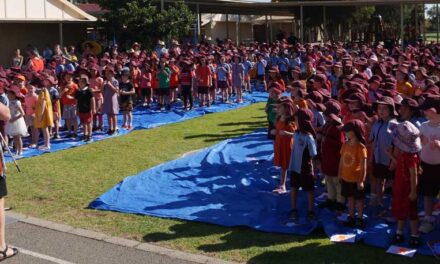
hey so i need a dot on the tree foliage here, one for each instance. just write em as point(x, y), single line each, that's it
point(143, 21)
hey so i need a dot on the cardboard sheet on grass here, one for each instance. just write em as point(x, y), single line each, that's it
point(145, 119)
point(230, 184)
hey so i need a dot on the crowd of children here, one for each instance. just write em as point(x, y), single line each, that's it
point(366, 121)
point(363, 117)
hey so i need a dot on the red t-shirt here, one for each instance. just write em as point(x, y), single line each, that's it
point(186, 77)
point(71, 91)
point(331, 143)
point(203, 74)
point(174, 79)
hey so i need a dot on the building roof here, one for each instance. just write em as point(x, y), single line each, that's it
point(285, 8)
point(93, 9)
point(42, 11)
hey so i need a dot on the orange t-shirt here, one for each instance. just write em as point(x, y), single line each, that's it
point(71, 91)
point(174, 79)
point(37, 64)
point(351, 158)
point(202, 75)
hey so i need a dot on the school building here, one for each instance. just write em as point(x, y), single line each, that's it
point(40, 22)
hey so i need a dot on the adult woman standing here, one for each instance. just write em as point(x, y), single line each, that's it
point(5, 250)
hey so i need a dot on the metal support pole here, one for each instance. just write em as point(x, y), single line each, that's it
point(162, 5)
point(401, 23)
point(438, 23)
point(301, 36)
point(324, 16)
point(227, 26)
point(266, 29)
point(416, 11)
point(238, 30)
point(271, 30)
point(198, 22)
point(60, 28)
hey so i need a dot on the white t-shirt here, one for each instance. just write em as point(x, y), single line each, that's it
point(430, 155)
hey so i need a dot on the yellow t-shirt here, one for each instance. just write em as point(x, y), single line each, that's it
point(351, 157)
point(406, 89)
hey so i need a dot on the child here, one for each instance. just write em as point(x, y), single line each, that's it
point(271, 111)
point(110, 105)
point(331, 143)
point(163, 76)
point(238, 77)
point(406, 140)
point(86, 106)
point(285, 126)
point(16, 127)
point(204, 77)
point(353, 171)
point(146, 90)
point(187, 80)
point(404, 87)
point(430, 159)
point(174, 79)
point(301, 168)
point(55, 100)
point(381, 137)
point(69, 104)
point(43, 116)
point(223, 70)
point(30, 100)
point(126, 91)
point(96, 83)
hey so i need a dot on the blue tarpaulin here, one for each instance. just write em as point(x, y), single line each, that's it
point(149, 118)
point(230, 184)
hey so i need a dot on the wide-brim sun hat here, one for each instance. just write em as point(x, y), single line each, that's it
point(406, 137)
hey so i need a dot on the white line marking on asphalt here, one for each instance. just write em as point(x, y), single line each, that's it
point(42, 256)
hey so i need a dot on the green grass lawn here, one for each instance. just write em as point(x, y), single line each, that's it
point(59, 186)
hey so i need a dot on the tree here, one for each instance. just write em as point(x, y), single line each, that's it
point(142, 21)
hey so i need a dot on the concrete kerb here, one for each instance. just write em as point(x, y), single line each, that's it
point(175, 254)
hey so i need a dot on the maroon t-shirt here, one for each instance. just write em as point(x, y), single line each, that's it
point(332, 140)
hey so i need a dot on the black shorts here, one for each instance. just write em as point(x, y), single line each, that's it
point(349, 189)
point(212, 88)
point(127, 106)
point(429, 181)
point(163, 91)
point(269, 129)
point(146, 92)
point(381, 171)
point(261, 77)
point(222, 84)
point(3, 189)
point(203, 90)
point(303, 180)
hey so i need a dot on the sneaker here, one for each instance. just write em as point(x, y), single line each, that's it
point(415, 242)
point(129, 127)
point(426, 227)
point(398, 239)
point(350, 222)
point(294, 214)
point(74, 136)
point(56, 136)
point(359, 224)
point(311, 215)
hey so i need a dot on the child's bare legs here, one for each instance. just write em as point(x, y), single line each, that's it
point(351, 207)
point(428, 205)
point(282, 187)
point(113, 118)
point(380, 186)
point(293, 198)
point(35, 135)
point(373, 192)
point(18, 145)
point(46, 137)
point(239, 94)
point(414, 228)
point(360, 208)
point(129, 119)
point(125, 123)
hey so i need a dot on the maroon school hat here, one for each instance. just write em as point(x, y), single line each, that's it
point(333, 110)
point(431, 102)
point(410, 103)
point(358, 127)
